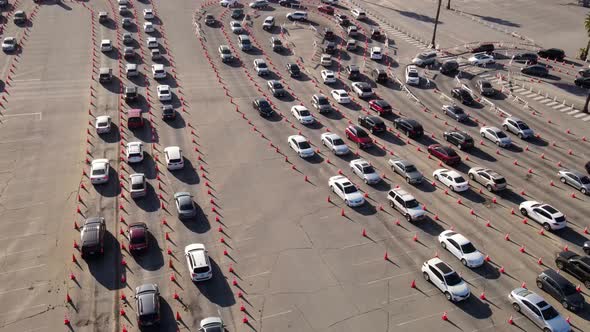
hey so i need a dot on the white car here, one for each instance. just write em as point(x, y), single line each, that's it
point(164, 93)
point(148, 13)
point(359, 14)
point(105, 45)
point(341, 96)
point(102, 124)
point(328, 76)
point(335, 143)
point(297, 16)
point(261, 67)
point(326, 60)
point(412, 76)
point(123, 2)
point(137, 185)
point(365, 171)
point(441, 275)
point(451, 179)
point(376, 53)
point(495, 135)
point(302, 114)
point(481, 59)
point(158, 71)
point(460, 247)
point(301, 145)
point(152, 42)
point(346, 190)
point(211, 324)
point(148, 27)
point(174, 159)
point(236, 27)
point(9, 44)
point(544, 214)
point(362, 89)
point(228, 3)
point(99, 171)
point(197, 259)
point(134, 152)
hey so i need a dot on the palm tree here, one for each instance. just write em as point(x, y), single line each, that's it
point(587, 27)
point(436, 25)
point(449, 4)
point(585, 110)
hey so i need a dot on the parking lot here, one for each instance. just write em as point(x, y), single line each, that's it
point(285, 251)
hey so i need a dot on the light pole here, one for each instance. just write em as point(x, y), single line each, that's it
point(448, 4)
point(436, 25)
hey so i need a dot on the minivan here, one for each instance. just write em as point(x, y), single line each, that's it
point(244, 43)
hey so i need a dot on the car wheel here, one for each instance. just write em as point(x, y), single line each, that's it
point(464, 262)
point(332, 188)
point(448, 296)
point(489, 188)
point(520, 135)
point(334, 151)
point(391, 204)
point(426, 276)
point(498, 143)
point(407, 133)
point(565, 305)
point(547, 227)
point(505, 127)
point(524, 212)
point(346, 202)
point(471, 176)
point(366, 181)
point(562, 179)
point(583, 191)
point(408, 180)
point(483, 135)
point(560, 265)
point(460, 147)
point(587, 284)
point(408, 218)
point(516, 307)
point(452, 188)
point(443, 245)
point(436, 177)
point(540, 285)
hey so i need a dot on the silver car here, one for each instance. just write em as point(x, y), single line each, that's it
point(185, 205)
point(488, 178)
point(517, 127)
point(365, 171)
point(406, 169)
point(455, 112)
point(535, 308)
point(575, 179)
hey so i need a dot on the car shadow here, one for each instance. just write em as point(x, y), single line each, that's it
point(178, 122)
point(390, 138)
point(150, 202)
point(188, 174)
point(481, 154)
point(376, 151)
point(217, 289)
point(101, 267)
point(472, 196)
point(476, 308)
point(572, 236)
point(429, 226)
point(111, 188)
point(114, 86)
point(113, 54)
point(167, 319)
point(143, 133)
point(110, 137)
point(152, 259)
point(147, 167)
point(382, 186)
point(199, 223)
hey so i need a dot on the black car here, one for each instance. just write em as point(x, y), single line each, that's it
point(535, 70)
point(237, 13)
point(209, 19)
point(353, 72)
point(463, 96)
point(329, 47)
point(584, 72)
point(379, 75)
point(276, 88)
point(487, 47)
point(147, 304)
point(342, 20)
point(410, 127)
point(552, 54)
point(290, 3)
point(449, 67)
point(376, 34)
point(460, 139)
point(561, 289)
point(374, 123)
point(328, 34)
point(586, 246)
point(293, 70)
point(168, 112)
point(263, 107)
point(92, 237)
point(575, 265)
point(277, 44)
point(582, 82)
point(526, 57)
point(130, 93)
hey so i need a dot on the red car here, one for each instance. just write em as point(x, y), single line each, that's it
point(326, 9)
point(380, 106)
point(444, 153)
point(359, 136)
point(138, 237)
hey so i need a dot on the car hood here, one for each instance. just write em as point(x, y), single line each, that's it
point(576, 299)
point(417, 211)
point(355, 197)
point(475, 257)
point(372, 176)
point(460, 289)
point(341, 148)
point(415, 175)
point(307, 151)
point(559, 324)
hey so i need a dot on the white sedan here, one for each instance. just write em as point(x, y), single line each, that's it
point(302, 114)
point(365, 171)
point(164, 93)
point(148, 14)
point(376, 53)
point(301, 145)
point(346, 190)
point(148, 27)
point(460, 247)
point(544, 214)
point(341, 96)
point(335, 143)
point(328, 76)
point(236, 27)
point(102, 124)
point(99, 171)
point(481, 59)
point(451, 179)
point(495, 135)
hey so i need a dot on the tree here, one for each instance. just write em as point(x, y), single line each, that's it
point(587, 27)
point(436, 24)
point(585, 110)
point(449, 4)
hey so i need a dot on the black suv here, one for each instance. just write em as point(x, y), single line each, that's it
point(535, 70)
point(379, 75)
point(449, 67)
point(526, 57)
point(342, 20)
point(329, 47)
point(410, 127)
point(575, 265)
point(328, 34)
point(374, 123)
point(168, 112)
point(460, 139)
point(293, 70)
point(488, 48)
point(276, 88)
point(353, 72)
point(130, 93)
point(147, 304)
point(561, 289)
point(263, 107)
point(582, 82)
point(92, 237)
point(237, 13)
point(276, 44)
point(463, 96)
point(552, 54)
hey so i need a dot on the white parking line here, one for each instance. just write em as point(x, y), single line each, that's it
point(20, 236)
point(573, 112)
point(540, 97)
point(25, 114)
point(519, 90)
point(529, 94)
point(390, 277)
point(277, 314)
point(566, 109)
point(23, 288)
point(557, 107)
point(22, 309)
point(23, 269)
point(257, 274)
point(552, 103)
point(577, 116)
point(586, 118)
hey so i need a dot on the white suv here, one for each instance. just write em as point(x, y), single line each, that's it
point(174, 159)
point(134, 152)
point(158, 71)
point(198, 262)
point(405, 203)
point(441, 275)
point(412, 76)
point(544, 214)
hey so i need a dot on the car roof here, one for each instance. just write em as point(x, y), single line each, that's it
point(137, 178)
point(173, 151)
point(558, 278)
point(102, 118)
point(99, 161)
point(406, 196)
point(459, 238)
point(574, 172)
point(298, 138)
point(404, 162)
point(331, 135)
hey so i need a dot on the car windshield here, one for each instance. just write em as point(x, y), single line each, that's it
point(225, 51)
point(261, 65)
point(137, 239)
point(175, 160)
point(361, 133)
point(499, 180)
point(522, 125)
point(338, 141)
point(304, 145)
point(501, 134)
point(450, 152)
point(263, 104)
point(368, 170)
point(350, 189)
point(569, 289)
point(410, 168)
point(560, 219)
point(186, 205)
point(468, 248)
point(277, 85)
point(304, 113)
point(277, 42)
point(235, 24)
point(366, 89)
point(137, 186)
point(99, 171)
point(458, 110)
point(102, 124)
point(465, 94)
point(585, 180)
point(549, 313)
point(294, 68)
point(459, 179)
point(550, 209)
point(202, 269)
point(486, 85)
point(411, 204)
point(453, 279)
point(342, 94)
point(323, 101)
point(412, 74)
